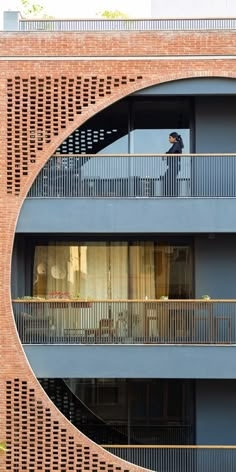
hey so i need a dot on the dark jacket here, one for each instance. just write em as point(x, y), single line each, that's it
point(175, 149)
point(173, 163)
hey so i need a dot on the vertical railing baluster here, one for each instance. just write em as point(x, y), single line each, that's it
point(178, 458)
point(128, 25)
point(211, 175)
point(151, 321)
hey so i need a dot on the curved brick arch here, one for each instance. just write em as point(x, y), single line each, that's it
point(30, 416)
point(37, 435)
point(24, 392)
point(131, 88)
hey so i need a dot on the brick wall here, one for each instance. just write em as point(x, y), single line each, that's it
point(117, 43)
point(41, 103)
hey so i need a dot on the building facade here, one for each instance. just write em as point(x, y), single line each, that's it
point(118, 260)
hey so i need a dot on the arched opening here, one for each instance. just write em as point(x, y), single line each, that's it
point(116, 267)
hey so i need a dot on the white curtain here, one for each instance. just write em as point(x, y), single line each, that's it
point(118, 271)
point(142, 270)
point(97, 271)
point(94, 271)
point(56, 271)
point(112, 270)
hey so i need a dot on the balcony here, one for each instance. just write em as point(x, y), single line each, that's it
point(180, 458)
point(184, 322)
point(137, 176)
point(132, 194)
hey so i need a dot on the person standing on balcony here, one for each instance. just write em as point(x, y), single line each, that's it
point(173, 165)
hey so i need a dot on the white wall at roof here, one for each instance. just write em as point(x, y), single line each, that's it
point(192, 9)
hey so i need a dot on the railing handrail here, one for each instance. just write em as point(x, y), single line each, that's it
point(136, 175)
point(145, 155)
point(189, 18)
point(184, 458)
point(76, 300)
point(203, 321)
point(164, 446)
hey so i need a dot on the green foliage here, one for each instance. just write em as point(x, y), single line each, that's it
point(30, 297)
point(2, 447)
point(113, 15)
point(32, 10)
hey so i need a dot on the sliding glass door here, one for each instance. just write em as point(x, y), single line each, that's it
point(110, 270)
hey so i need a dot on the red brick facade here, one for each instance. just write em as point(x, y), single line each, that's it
point(41, 103)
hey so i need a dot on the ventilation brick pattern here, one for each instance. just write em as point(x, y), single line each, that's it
point(80, 415)
point(36, 442)
point(87, 141)
point(38, 109)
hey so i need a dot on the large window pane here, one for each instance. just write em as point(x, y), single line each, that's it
point(149, 141)
point(146, 411)
point(154, 119)
point(113, 270)
point(88, 270)
point(106, 132)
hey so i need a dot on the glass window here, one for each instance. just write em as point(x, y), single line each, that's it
point(113, 270)
point(106, 391)
point(89, 270)
point(148, 411)
point(154, 119)
point(175, 399)
point(106, 132)
point(132, 125)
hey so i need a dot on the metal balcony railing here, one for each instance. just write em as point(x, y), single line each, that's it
point(126, 321)
point(179, 458)
point(137, 434)
point(176, 24)
point(142, 176)
point(173, 433)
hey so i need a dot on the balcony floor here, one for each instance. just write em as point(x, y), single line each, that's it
point(133, 361)
point(133, 215)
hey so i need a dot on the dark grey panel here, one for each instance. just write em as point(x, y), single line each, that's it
point(215, 266)
point(215, 124)
point(180, 215)
point(215, 412)
point(198, 86)
point(144, 361)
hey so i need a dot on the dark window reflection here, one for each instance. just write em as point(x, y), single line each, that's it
point(132, 125)
point(106, 132)
point(146, 411)
point(154, 119)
